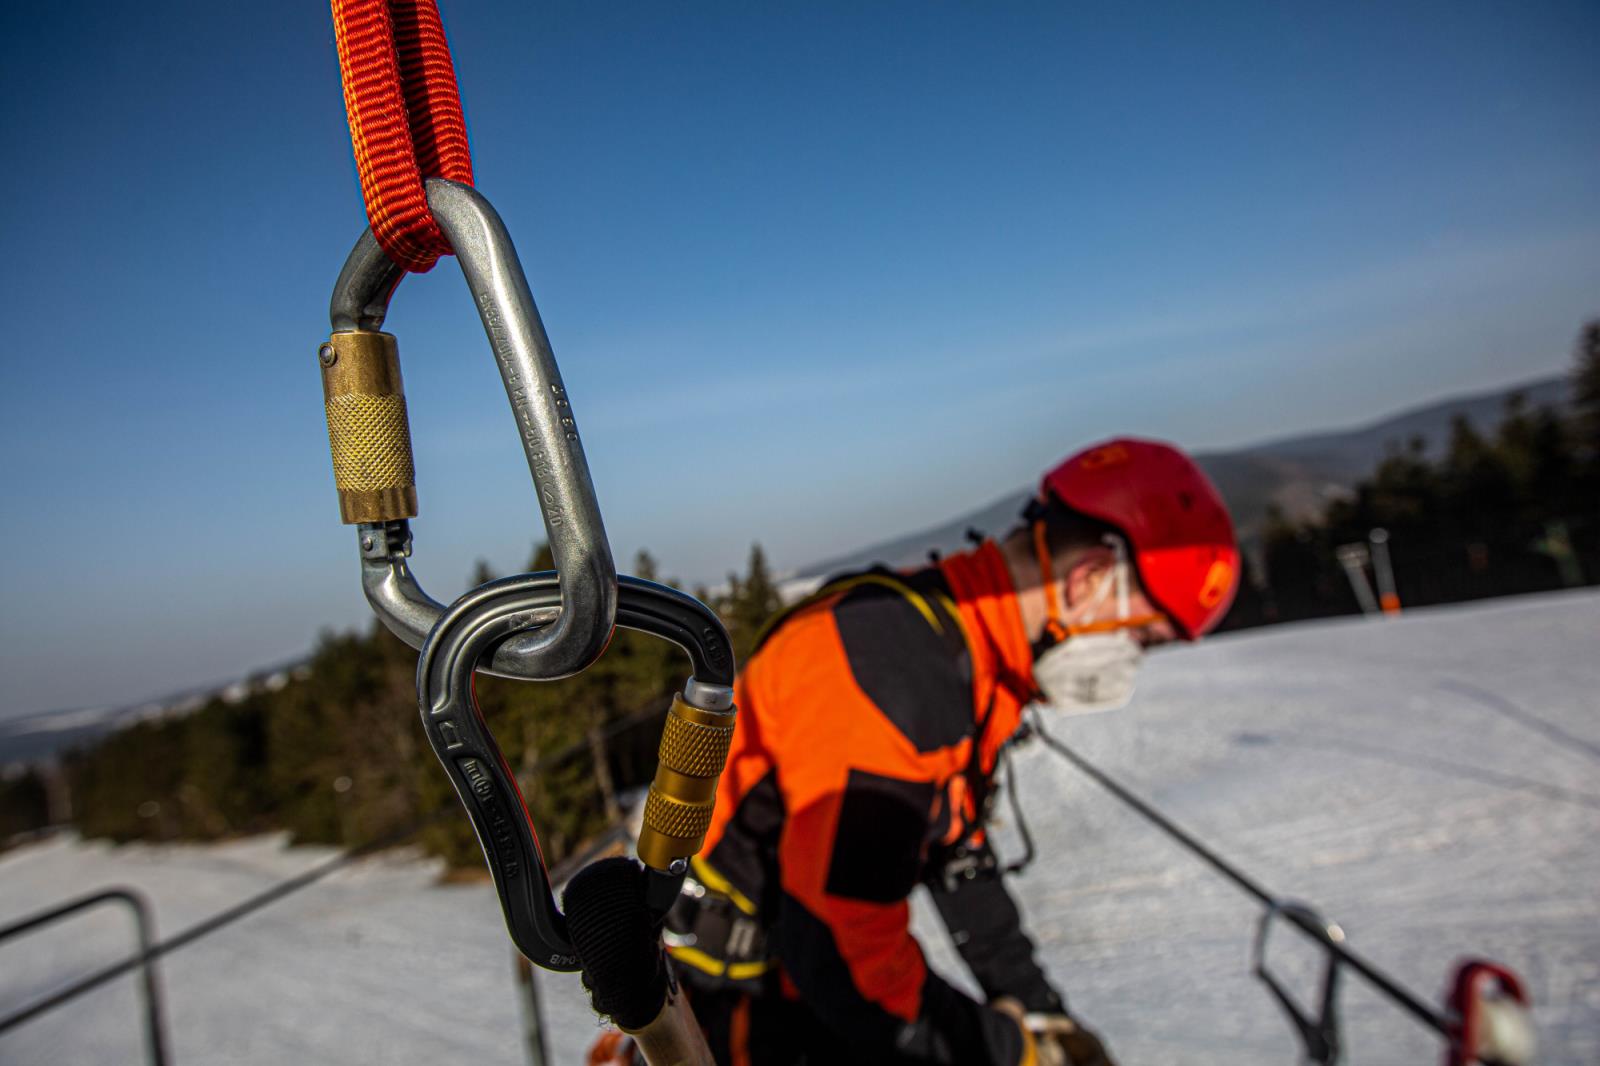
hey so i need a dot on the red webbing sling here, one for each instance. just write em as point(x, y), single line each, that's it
point(405, 119)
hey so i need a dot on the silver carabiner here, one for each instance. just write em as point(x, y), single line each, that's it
point(369, 434)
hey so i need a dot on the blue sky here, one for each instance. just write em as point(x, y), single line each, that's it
point(816, 274)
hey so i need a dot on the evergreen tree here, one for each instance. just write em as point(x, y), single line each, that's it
point(127, 787)
point(750, 601)
point(24, 804)
point(224, 786)
point(1586, 390)
point(644, 565)
point(1404, 494)
point(308, 737)
point(1479, 487)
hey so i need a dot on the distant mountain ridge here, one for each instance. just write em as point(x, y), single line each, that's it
point(38, 737)
point(1299, 474)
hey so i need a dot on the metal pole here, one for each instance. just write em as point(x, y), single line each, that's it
point(1388, 597)
point(1353, 557)
point(528, 1003)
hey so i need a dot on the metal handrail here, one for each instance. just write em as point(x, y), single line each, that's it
point(155, 1027)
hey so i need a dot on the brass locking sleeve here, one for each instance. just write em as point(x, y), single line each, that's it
point(677, 812)
point(368, 430)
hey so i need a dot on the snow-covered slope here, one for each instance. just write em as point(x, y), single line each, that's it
point(1433, 783)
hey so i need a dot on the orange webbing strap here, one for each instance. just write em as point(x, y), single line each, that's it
point(405, 119)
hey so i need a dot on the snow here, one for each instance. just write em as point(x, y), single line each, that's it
point(1429, 782)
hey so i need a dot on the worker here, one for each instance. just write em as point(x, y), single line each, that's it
point(871, 719)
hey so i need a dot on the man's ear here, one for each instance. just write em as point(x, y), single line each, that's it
point(1086, 574)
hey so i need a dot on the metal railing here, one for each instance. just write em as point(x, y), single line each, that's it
point(144, 924)
point(151, 949)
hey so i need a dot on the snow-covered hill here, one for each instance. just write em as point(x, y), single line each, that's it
point(1433, 783)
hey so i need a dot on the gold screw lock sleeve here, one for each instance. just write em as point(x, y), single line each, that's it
point(677, 812)
point(369, 432)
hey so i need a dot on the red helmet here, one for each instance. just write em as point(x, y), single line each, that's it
point(1178, 529)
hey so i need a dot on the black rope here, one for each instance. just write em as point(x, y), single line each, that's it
point(1014, 800)
point(1188, 840)
point(1420, 1010)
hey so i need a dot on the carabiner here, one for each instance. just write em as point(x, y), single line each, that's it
point(1493, 1020)
point(694, 744)
point(370, 438)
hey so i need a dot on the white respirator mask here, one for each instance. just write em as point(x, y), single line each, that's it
point(1093, 665)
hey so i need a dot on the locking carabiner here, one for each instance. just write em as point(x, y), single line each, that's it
point(370, 437)
point(694, 744)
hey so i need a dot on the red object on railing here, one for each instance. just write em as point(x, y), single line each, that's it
point(1492, 1016)
point(405, 119)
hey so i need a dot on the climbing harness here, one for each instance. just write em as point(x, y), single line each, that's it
point(1486, 1019)
point(409, 138)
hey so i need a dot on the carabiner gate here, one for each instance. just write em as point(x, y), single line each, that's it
point(370, 438)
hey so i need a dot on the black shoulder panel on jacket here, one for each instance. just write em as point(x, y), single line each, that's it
point(877, 847)
point(905, 666)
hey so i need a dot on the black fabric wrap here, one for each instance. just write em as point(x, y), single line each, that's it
point(623, 967)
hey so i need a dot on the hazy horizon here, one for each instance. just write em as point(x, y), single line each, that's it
point(781, 570)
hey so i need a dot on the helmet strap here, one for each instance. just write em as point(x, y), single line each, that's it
point(1115, 582)
point(1119, 555)
point(1055, 628)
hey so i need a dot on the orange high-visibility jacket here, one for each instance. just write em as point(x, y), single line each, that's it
point(868, 719)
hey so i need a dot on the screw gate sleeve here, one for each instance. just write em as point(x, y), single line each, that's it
point(368, 430)
point(677, 813)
